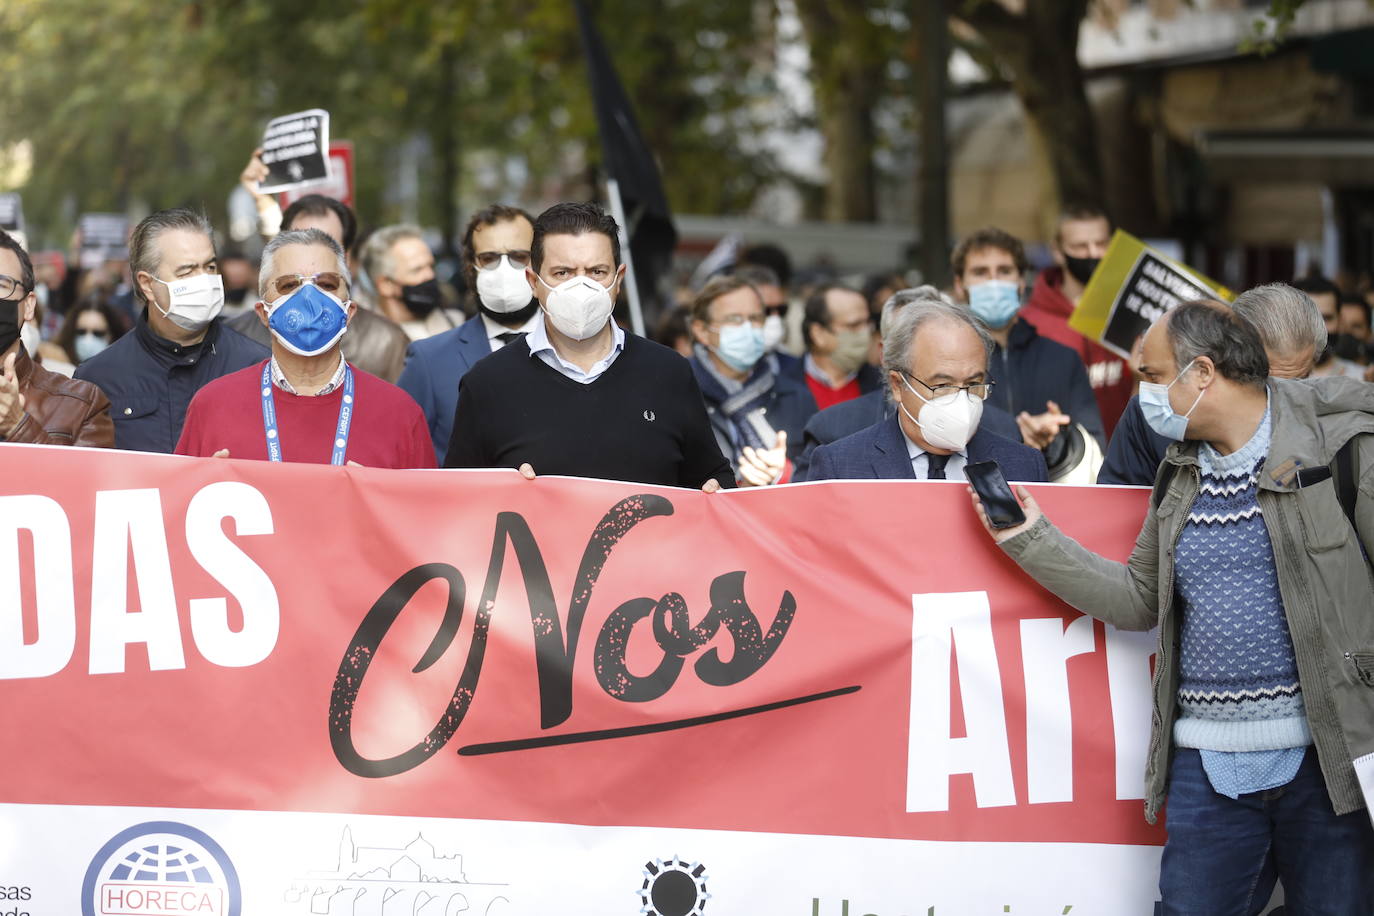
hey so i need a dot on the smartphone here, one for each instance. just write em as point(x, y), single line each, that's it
point(1001, 505)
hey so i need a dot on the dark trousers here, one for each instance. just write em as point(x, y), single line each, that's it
point(1223, 855)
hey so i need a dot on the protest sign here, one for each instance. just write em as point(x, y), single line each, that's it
point(1132, 287)
point(248, 688)
point(11, 212)
point(339, 184)
point(294, 149)
point(104, 237)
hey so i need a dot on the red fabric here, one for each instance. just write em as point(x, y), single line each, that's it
point(388, 428)
point(1049, 310)
point(828, 397)
point(286, 608)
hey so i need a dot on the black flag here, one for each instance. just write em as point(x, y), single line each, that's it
point(627, 159)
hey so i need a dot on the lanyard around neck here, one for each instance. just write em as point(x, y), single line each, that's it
point(269, 417)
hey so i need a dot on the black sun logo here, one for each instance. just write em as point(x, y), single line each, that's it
point(673, 887)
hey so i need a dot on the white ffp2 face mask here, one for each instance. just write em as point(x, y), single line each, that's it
point(948, 421)
point(195, 301)
point(579, 308)
point(774, 330)
point(503, 288)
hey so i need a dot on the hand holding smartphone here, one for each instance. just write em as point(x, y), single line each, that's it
point(1000, 504)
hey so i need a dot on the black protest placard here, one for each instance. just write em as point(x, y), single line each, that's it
point(295, 149)
point(104, 237)
point(11, 212)
point(1152, 287)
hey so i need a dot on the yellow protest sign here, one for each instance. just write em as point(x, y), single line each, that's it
point(1132, 287)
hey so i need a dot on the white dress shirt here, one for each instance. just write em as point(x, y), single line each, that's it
point(920, 461)
point(495, 329)
point(542, 347)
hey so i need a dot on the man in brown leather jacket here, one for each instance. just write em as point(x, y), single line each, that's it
point(37, 406)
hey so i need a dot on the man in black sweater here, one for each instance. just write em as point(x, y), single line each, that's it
point(579, 397)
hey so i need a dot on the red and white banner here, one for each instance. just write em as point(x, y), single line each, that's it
point(233, 687)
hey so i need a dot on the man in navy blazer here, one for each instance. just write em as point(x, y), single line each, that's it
point(936, 358)
point(496, 250)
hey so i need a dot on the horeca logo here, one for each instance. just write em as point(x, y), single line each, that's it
point(161, 868)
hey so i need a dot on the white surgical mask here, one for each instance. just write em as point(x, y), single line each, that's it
point(88, 344)
point(195, 301)
point(579, 308)
point(503, 288)
point(31, 338)
point(774, 330)
point(948, 421)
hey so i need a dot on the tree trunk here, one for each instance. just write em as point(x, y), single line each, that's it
point(1039, 50)
point(930, 72)
point(846, 78)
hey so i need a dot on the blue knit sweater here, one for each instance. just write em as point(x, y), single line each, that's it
point(1239, 699)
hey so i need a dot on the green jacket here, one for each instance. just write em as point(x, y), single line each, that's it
point(1326, 584)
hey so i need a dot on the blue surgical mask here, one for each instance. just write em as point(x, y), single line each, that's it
point(995, 302)
point(308, 320)
point(1159, 413)
point(741, 346)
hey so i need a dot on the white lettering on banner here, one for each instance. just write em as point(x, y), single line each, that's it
point(1128, 682)
point(1046, 647)
point(130, 521)
point(959, 625)
point(960, 622)
point(232, 568)
point(129, 533)
point(55, 641)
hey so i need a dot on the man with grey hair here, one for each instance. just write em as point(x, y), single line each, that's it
point(1254, 574)
point(847, 418)
point(306, 403)
point(1294, 335)
point(936, 358)
point(401, 268)
point(179, 342)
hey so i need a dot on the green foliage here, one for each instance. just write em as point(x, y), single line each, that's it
point(160, 102)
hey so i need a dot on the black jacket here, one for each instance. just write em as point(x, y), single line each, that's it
point(1136, 450)
point(150, 380)
point(1035, 370)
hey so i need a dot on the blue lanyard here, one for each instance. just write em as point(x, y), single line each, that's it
point(269, 417)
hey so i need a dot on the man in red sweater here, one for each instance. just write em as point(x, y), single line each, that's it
point(306, 403)
point(1079, 244)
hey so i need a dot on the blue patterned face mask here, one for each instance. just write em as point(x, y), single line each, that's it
point(307, 321)
point(1159, 413)
point(995, 302)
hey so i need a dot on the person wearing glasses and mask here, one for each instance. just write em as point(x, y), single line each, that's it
point(577, 396)
point(306, 403)
point(756, 414)
point(39, 407)
point(179, 342)
point(496, 251)
point(935, 355)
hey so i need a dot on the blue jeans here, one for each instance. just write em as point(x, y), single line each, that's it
point(1222, 854)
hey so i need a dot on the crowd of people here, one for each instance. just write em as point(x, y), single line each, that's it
point(1253, 561)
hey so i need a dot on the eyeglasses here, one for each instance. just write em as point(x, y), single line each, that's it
point(979, 390)
point(735, 321)
point(488, 260)
point(775, 311)
point(329, 281)
point(11, 288)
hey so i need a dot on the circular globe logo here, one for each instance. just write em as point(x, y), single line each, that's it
point(161, 868)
